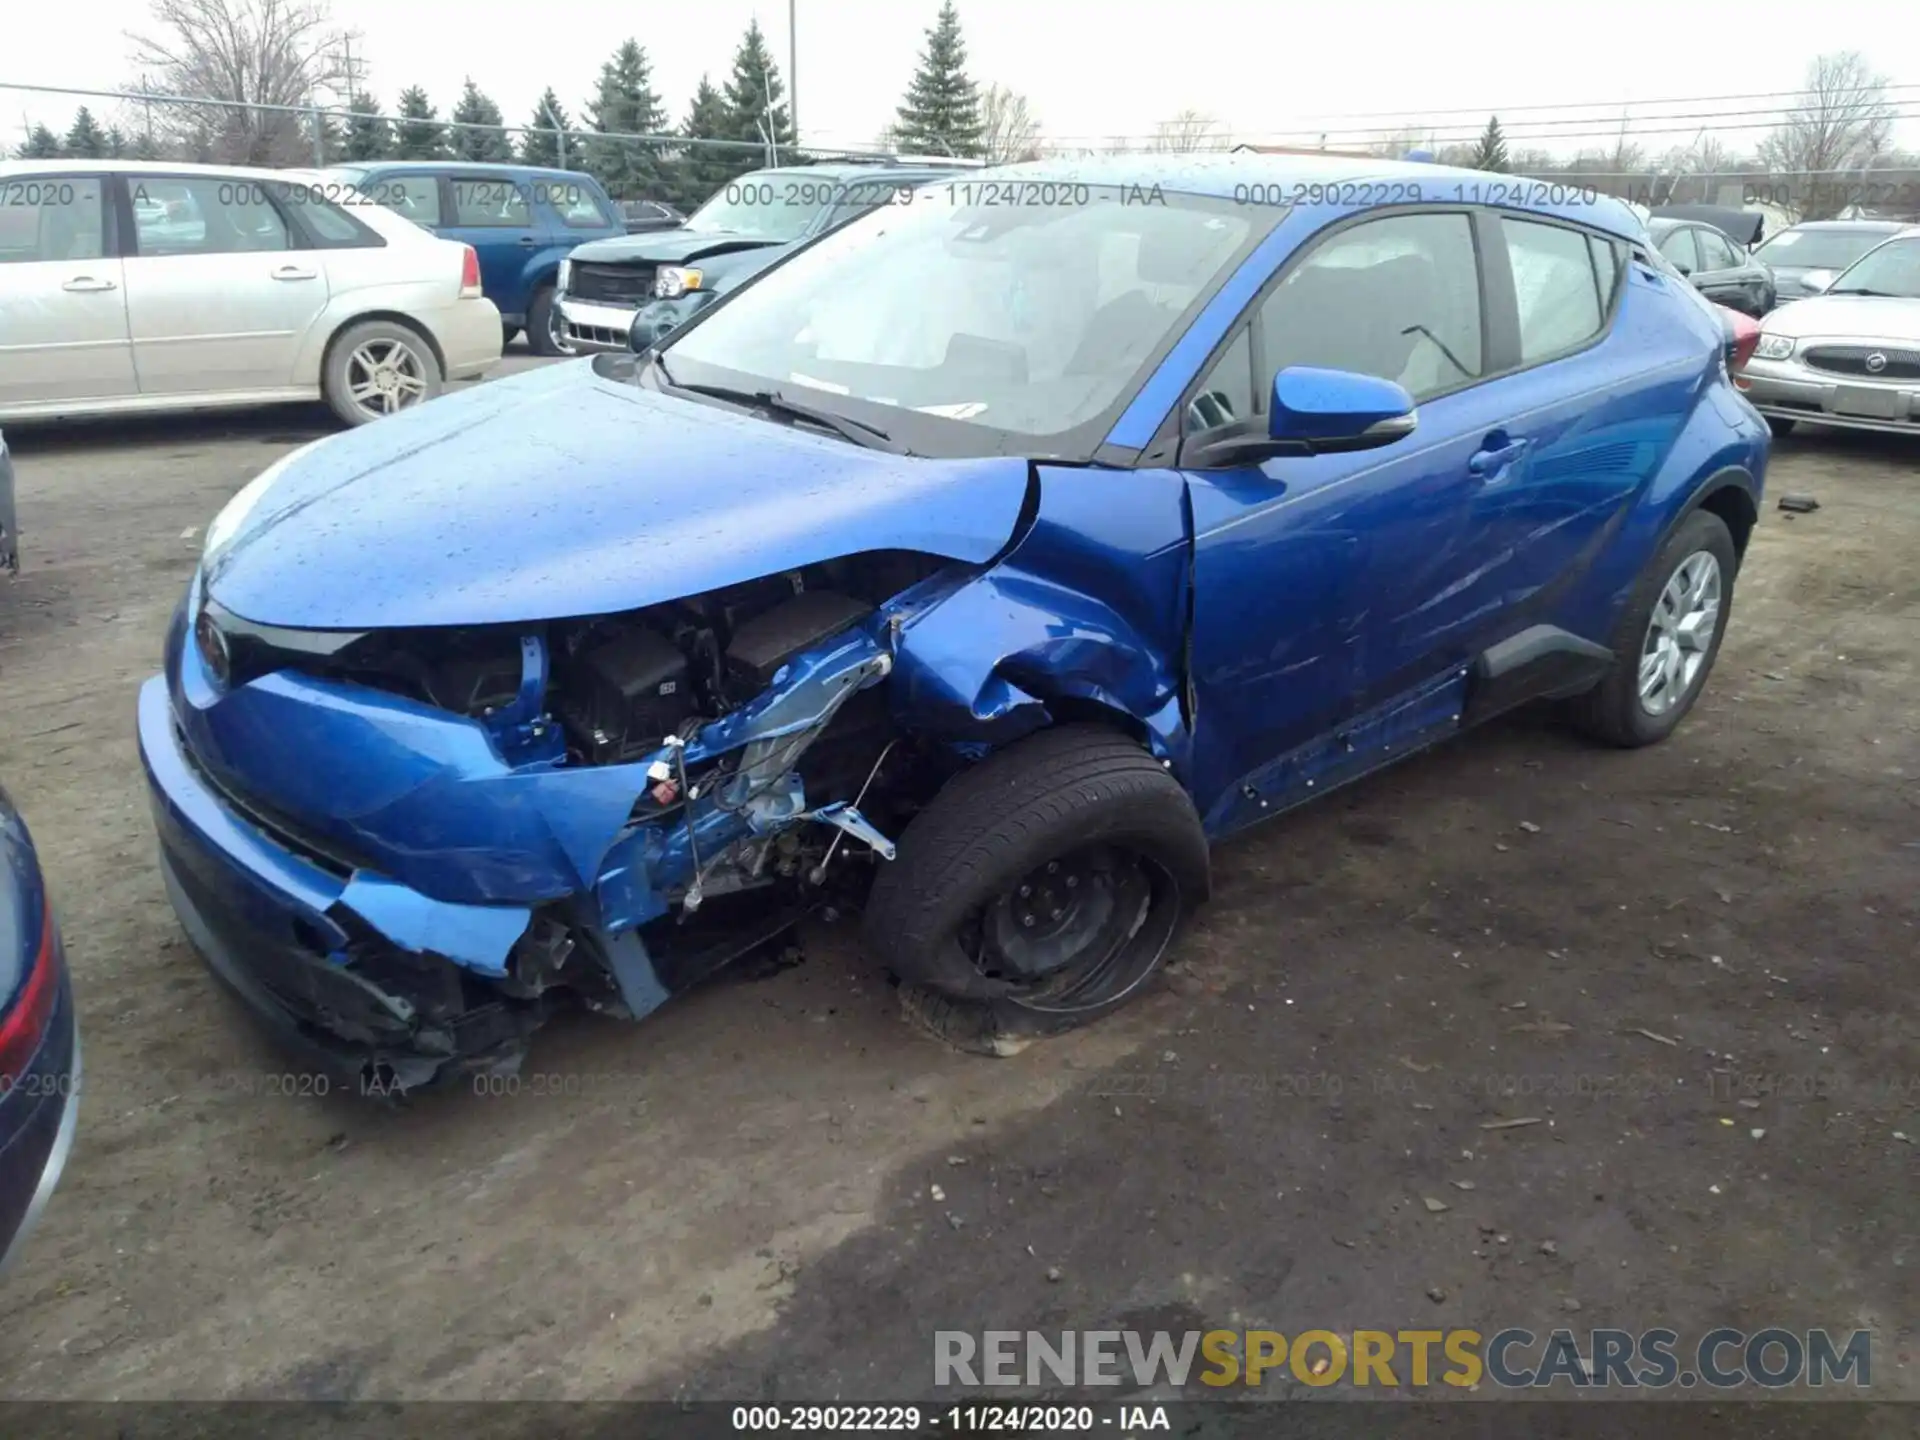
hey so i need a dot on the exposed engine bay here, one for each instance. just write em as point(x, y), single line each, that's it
point(764, 758)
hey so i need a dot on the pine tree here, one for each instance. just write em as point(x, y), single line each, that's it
point(117, 143)
point(369, 136)
point(704, 168)
point(541, 145)
point(1490, 150)
point(85, 141)
point(42, 144)
point(487, 146)
point(941, 114)
point(625, 104)
point(419, 135)
point(333, 140)
point(144, 147)
point(756, 102)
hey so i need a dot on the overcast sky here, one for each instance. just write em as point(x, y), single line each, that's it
point(1267, 69)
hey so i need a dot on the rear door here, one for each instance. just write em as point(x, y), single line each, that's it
point(1677, 245)
point(62, 293)
point(497, 217)
point(221, 290)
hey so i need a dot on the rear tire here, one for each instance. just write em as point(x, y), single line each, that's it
point(1667, 638)
point(544, 333)
point(1039, 890)
point(1779, 426)
point(377, 368)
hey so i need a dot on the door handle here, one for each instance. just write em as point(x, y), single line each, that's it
point(527, 242)
point(86, 284)
point(1487, 464)
point(294, 272)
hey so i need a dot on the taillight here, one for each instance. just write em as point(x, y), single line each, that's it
point(25, 1025)
point(469, 271)
point(1743, 338)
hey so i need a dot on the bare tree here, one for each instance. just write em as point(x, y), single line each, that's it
point(248, 53)
point(1841, 121)
point(1009, 131)
point(1188, 131)
point(1396, 145)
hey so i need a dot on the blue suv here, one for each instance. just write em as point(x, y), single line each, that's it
point(980, 564)
point(522, 220)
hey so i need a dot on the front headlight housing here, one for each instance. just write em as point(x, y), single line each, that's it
point(1774, 347)
point(566, 274)
point(670, 282)
point(234, 513)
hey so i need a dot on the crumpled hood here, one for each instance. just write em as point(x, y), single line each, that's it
point(1842, 317)
point(666, 247)
point(563, 493)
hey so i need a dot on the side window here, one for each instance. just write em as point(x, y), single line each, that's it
point(332, 226)
point(417, 197)
point(204, 215)
point(1227, 394)
point(576, 206)
point(490, 202)
point(1677, 246)
point(1397, 297)
point(51, 218)
point(1554, 283)
point(1606, 268)
point(1716, 251)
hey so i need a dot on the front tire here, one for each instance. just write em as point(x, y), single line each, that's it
point(1039, 889)
point(546, 330)
point(378, 368)
point(1667, 639)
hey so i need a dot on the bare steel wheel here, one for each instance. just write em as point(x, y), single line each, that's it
point(378, 368)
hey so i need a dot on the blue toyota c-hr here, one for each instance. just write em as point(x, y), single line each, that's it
point(981, 563)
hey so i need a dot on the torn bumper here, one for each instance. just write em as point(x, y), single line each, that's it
point(277, 927)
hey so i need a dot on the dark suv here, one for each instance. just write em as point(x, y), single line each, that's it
point(521, 220)
point(666, 277)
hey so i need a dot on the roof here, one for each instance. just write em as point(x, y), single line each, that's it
point(1227, 176)
point(482, 166)
point(1887, 227)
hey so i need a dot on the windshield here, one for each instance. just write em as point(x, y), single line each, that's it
point(1025, 318)
point(1893, 269)
point(767, 205)
point(1819, 249)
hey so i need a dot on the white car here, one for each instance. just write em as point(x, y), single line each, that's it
point(135, 287)
point(1850, 356)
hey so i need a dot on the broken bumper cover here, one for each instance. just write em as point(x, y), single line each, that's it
point(277, 928)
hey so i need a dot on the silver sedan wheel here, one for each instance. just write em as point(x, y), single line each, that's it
point(1680, 634)
point(385, 375)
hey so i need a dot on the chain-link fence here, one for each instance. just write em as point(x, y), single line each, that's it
point(677, 169)
point(685, 170)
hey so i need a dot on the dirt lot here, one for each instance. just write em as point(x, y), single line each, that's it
point(734, 1199)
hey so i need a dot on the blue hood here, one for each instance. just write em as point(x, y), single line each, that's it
point(561, 493)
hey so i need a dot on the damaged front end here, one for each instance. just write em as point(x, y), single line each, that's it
point(404, 846)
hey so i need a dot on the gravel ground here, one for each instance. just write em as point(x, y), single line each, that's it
point(733, 1198)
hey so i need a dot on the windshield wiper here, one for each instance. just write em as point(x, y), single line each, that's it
point(772, 401)
point(1877, 294)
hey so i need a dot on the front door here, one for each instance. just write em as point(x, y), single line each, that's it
point(1324, 585)
point(497, 218)
point(64, 298)
point(219, 299)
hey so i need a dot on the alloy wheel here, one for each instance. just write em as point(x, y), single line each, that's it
point(385, 375)
point(1680, 634)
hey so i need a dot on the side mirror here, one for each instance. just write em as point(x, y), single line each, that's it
point(641, 337)
point(1315, 412)
point(1815, 282)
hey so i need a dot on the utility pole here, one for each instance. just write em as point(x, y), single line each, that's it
point(793, 70)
